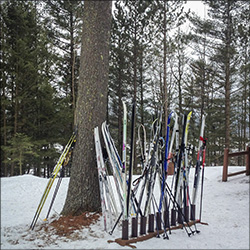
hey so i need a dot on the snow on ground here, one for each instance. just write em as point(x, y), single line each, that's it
point(225, 209)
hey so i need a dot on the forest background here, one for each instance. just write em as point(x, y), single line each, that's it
point(159, 51)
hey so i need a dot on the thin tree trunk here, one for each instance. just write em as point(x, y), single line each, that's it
point(141, 88)
point(120, 107)
point(3, 109)
point(72, 63)
point(165, 91)
point(135, 87)
point(227, 81)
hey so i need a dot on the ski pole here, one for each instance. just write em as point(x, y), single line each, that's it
point(157, 226)
point(203, 168)
point(196, 230)
point(118, 219)
point(65, 163)
point(179, 209)
point(54, 197)
point(162, 222)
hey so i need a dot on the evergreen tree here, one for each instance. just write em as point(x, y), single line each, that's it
point(64, 26)
point(203, 88)
point(129, 39)
point(222, 15)
point(21, 147)
point(119, 71)
point(26, 92)
point(243, 90)
point(215, 75)
point(168, 17)
point(83, 193)
point(136, 52)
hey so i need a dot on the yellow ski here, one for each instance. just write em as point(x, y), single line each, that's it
point(52, 178)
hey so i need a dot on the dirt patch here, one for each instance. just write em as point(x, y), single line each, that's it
point(66, 225)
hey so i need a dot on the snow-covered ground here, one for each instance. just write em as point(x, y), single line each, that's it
point(225, 209)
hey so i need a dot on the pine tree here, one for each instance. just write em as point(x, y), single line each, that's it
point(169, 16)
point(83, 193)
point(129, 40)
point(119, 71)
point(19, 151)
point(19, 66)
point(215, 75)
point(222, 15)
point(203, 85)
point(64, 25)
point(27, 93)
point(243, 91)
point(179, 69)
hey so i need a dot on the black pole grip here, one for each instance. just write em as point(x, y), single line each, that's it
point(134, 227)
point(192, 212)
point(143, 225)
point(151, 223)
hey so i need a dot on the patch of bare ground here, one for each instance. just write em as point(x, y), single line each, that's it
point(67, 225)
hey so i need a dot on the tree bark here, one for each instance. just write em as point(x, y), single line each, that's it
point(227, 77)
point(83, 193)
point(120, 107)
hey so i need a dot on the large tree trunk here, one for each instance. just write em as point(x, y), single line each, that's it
point(83, 192)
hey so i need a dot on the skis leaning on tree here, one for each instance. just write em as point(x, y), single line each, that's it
point(61, 175)
point(107, 197)
point(115, 169)
point(61, 163)
point(118, 170)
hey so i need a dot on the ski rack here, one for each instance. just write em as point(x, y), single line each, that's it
point(141, 211)
point(151, 235)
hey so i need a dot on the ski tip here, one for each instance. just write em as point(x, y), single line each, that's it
point(45, 219)
point(75, 130)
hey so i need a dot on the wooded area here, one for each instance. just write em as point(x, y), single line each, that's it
point(204, 68)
